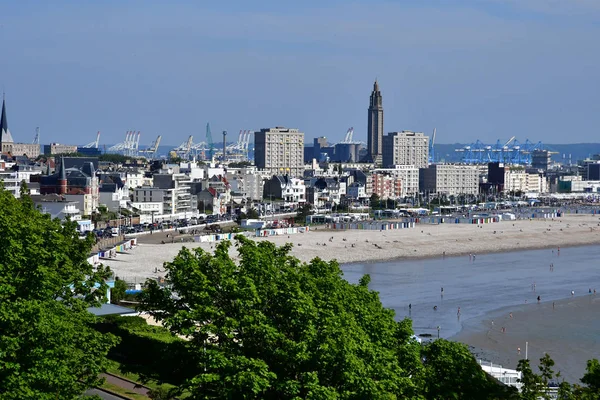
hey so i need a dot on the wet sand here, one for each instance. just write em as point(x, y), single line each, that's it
point(567, 331)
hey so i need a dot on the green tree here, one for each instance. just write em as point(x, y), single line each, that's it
point(117, 293)
point(252, 214)
point(592, 377)
point(48, 349)
point(546, 374)
point(375, 201)
point(272, 327)
point(530, 381)
point(303, 211)
point(451, 372)
point(114, 158)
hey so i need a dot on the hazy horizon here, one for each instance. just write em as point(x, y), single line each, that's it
point(473, 69)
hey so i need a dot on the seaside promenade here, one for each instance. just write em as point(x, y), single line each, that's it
point(423, 241)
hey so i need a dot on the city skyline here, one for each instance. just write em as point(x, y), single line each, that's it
point(472, 69)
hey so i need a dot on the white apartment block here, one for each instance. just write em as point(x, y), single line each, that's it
point(134, 179)
point(149, 208)
point(13, 180)
point(279, 151)
point(409, 176)
point(518, 180)
point(449, 179)
point(247, 181)
point(405, 148)
point(290, 190)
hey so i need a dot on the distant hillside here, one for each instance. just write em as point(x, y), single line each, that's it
point(578, 151)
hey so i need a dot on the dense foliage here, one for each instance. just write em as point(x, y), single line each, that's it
point(47, 348)
point(535, 386)
point(149, 351)
point(271, 327)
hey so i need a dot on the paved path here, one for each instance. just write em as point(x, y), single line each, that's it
point(126, 384)
point(102, 394)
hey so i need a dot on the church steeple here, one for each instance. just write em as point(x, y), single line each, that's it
point(5, 136)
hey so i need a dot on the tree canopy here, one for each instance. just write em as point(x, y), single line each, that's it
point(269, 326)
point(47, 348)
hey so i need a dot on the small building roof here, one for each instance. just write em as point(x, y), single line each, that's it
point(111, 309)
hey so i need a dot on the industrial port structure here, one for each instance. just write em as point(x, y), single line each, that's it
point(511, 152)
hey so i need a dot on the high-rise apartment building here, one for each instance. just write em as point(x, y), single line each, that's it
point(449, 179)
point(375, 126)
point(279, 151)
point(405, 148)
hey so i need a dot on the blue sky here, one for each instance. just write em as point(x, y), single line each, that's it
point(473, 69)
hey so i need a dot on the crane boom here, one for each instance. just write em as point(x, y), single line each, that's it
point(36, 139)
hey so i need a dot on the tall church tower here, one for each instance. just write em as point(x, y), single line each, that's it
point(5, 136)
point(375, 126)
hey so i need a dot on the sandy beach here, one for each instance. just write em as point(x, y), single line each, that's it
point(566, 330)
point(424, 241)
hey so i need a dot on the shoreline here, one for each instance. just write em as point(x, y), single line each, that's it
point(363, 246)
point(466, 253)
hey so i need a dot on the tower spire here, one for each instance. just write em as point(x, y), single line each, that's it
point(375, 126)
point(5, 136)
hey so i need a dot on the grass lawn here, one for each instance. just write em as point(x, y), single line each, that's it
point(115, 370)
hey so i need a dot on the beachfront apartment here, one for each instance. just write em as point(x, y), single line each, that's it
point(408, 176)
point(386, 185)
point(519, 180)
point(177, 193)
point(511, 179)
point(405, 148)
point(279, 151)
point(449, 179)
point(13, 179)
point(281, 187)
point(246, 181)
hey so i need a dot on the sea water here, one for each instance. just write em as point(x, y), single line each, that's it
point(477, 285)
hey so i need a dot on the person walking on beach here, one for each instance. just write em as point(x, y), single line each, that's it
point(572, 293)
point(458, 312)
point(510, 315)
point(442, 291)
point(539, 299)
point(518, 350)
